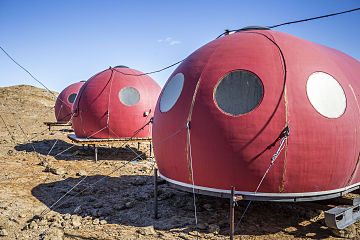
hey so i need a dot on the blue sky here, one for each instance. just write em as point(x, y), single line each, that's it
point(62, 42)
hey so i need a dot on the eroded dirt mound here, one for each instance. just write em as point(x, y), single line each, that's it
point(51, 189)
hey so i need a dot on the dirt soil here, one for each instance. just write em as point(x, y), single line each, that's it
point(113, 199)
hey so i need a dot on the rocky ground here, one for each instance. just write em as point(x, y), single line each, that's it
point(113, 199)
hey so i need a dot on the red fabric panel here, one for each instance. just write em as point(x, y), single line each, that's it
point(321, 153)
point(100, 95)
point(62, 105)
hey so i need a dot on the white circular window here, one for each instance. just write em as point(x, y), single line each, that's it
point(129, 96)
point(72, 97)
point(171, 92)
point(326, 95)
point(239, 92)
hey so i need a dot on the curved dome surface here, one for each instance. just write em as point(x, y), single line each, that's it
point(65, 101)
point(239, 93)
point(115, 103)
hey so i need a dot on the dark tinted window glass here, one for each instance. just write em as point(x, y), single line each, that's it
point(239, 92)
point(72, 97)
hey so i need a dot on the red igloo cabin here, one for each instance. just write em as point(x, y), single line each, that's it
point(115, 103)
point(222, 114)
point(65, 100)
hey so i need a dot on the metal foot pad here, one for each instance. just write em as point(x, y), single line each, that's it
point(342, 216)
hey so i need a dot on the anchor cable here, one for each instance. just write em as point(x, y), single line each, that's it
point(285, 133)
point(314, 18)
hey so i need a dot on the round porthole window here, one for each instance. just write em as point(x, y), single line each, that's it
point(171, 92)
point(326, 95)
point(239, 92)
point(129, 96)
point(72, 97)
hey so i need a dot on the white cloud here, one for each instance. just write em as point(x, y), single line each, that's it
point(174, 42)
point(169, 41)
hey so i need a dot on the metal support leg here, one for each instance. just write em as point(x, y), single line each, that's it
point(232, 207)
point(233, 200)
point(96, 152)
point(155, 193)
point(150, 155)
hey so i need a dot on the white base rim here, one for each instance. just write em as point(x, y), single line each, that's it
point(260, 194)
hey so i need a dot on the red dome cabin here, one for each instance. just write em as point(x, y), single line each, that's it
point(65, 100)
point(239, 93)
point(115, 103)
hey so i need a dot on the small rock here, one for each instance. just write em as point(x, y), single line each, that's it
point(56, 171)
point(100, 212)
point(65, 225)
point(76, 221)
point(129, 204)
point(81, 173)
point(203, 226)
point(33, 225)
point(107, 211)
point(56, 218)
point(78, 210)
point(213, 228)
point(91, 199)
point(348, 232)
point(139, 181)
point(94, 213)
point(194, 233)
point(147, 231)
point(96, 221)
point(210, 236)
point(103, 222)
point(166, 195)
point(208, 207)
point(55, 225)
point(22, 215)
point(290, 229)
point(119, 206)
point(44, 163)
point(43, 222)
point(98, 205)
point(3, 233)
point(67, 216)
point(60, 171)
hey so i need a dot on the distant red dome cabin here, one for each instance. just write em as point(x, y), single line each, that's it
point(239, 92)
point(115, 103)
point(65, 100)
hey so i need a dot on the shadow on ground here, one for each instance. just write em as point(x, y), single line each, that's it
point(62, 150)
point(128, 200)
